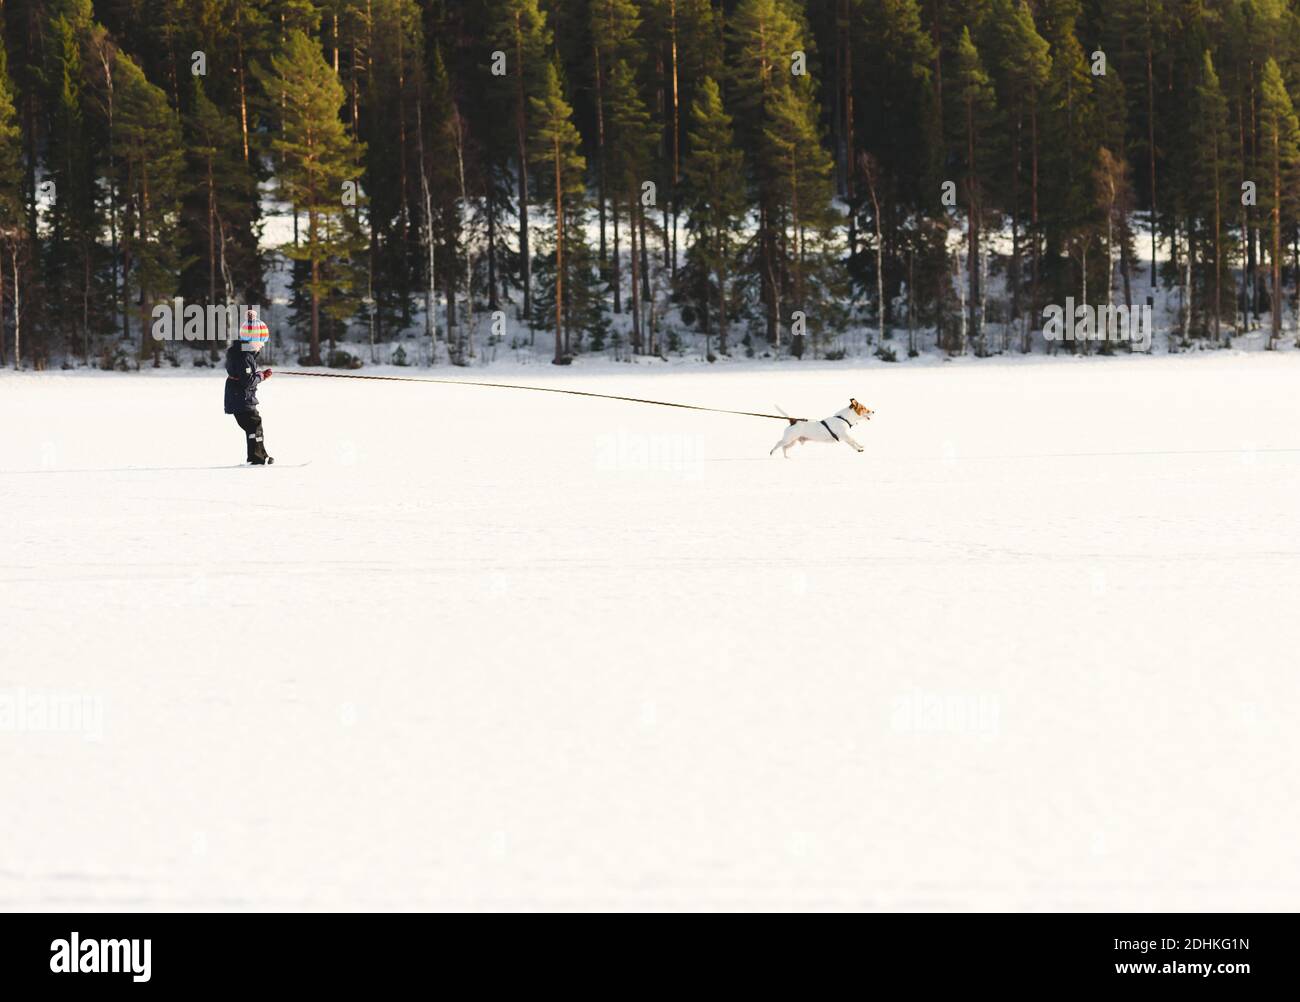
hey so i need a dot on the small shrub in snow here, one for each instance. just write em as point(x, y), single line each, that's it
point(340, 359)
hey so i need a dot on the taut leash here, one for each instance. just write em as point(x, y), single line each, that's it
point(535, 389)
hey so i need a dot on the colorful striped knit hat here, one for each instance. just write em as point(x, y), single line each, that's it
point(252, 329)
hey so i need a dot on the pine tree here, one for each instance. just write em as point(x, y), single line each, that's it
point(437, 119)
point(666, 22)
point(523, 37)
point(762, 38)
point(1067, 202)
point(1115, 200)
point(896, 114)
point(802, 167)
point(1214, 147)
point(1141, 24)
point(1280, 134)
point(1024, 66)
point(316, 158)
point(613, 26)
point(555, 146)
point(974, 91)
point(392, 167)
point(715, 200)
point(70, 258)
point(13, 230)
point(224, 200)
point(628, 148)
point(583, 304)
point(148, 136)
point(249, 35)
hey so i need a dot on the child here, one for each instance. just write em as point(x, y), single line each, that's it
point(242, 378)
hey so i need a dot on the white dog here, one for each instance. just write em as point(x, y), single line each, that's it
point(833, 429)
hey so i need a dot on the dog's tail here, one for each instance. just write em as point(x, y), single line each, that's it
point(787, 416)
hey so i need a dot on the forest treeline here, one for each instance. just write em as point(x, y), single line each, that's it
point(618, 175)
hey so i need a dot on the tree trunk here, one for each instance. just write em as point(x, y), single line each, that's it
point(430, 275)
point(911, 301)
point(794, 229)
point(637, 344)
point(243, 94)
point(1014, 277)
point(85, 298)
point(18, 312)
point(144, 239)
point(4, 358)
point(1245, 227)
point(671, 243)
point(403, 210)
point(1218, 246)
point(1276, 261)
point(1151, 161)
point(870, 177)
point(468, 325)
point(521, 136)
point(356, 111)
point(314, 356)
point(722, 297)
point(972, 230)
point(768, 251)
point(849, 142)
point(1033, 222)
point(600, 152)
point(617, 277)
point(645, 253)
point(559, 258)
point(490, 203)
point(212, 250)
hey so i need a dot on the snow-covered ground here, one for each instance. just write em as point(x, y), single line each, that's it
point(1035, 649)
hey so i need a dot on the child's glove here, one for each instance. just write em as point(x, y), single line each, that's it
point(266, 373)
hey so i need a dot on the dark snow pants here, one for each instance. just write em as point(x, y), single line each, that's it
point(251, 422)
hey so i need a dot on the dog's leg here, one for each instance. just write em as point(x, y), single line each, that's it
point(848, 440)
point(787, 439)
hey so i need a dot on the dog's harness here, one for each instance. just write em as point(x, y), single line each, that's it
point(828, 427)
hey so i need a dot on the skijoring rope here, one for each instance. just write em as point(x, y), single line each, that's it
point(535, 389)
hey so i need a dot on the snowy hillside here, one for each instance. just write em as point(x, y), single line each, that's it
point(1035, 649)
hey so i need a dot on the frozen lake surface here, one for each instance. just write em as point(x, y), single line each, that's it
point(1037, 648)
